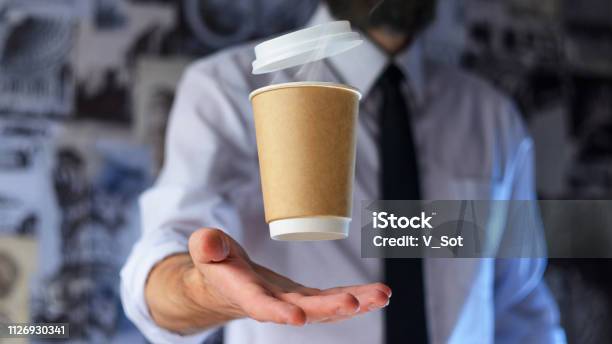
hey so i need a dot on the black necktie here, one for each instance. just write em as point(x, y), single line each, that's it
point(405, 316)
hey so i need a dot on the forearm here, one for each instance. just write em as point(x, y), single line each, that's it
point(177, 298)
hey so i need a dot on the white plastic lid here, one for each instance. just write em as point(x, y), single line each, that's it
point(304, 46)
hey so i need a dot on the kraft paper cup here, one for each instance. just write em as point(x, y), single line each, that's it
point(306, 135)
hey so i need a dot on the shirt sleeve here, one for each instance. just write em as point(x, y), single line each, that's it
point(204, 147)
point(525, 312)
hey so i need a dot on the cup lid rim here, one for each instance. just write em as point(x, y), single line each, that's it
point(303, 84)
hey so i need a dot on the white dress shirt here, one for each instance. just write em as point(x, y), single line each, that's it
point(470, 142)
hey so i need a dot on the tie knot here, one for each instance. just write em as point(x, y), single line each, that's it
point(392, 75)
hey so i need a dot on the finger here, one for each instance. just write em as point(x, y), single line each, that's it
point(264, 307)
point(207, 245)
point(371, 297)
point(359, 289)
point(369, 301)
point(372, 300)
point(320, 307)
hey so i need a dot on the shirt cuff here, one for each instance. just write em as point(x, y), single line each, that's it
point(133, 278)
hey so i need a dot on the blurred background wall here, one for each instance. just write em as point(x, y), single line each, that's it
point(85, 90)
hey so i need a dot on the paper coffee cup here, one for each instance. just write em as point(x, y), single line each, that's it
point(306, 135)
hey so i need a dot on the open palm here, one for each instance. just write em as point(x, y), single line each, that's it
point(245, 288)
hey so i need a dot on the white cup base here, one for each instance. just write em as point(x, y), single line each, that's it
point(314, 228)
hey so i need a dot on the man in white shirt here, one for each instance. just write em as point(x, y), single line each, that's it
point(194, 270)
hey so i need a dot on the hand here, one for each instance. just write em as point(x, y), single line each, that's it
point(221, 283)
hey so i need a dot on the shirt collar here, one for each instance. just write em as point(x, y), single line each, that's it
point(361, 66)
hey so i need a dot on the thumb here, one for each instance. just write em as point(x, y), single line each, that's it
point(208, 245)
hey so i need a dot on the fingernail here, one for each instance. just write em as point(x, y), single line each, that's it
point(225, 246)
point(375, 307)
